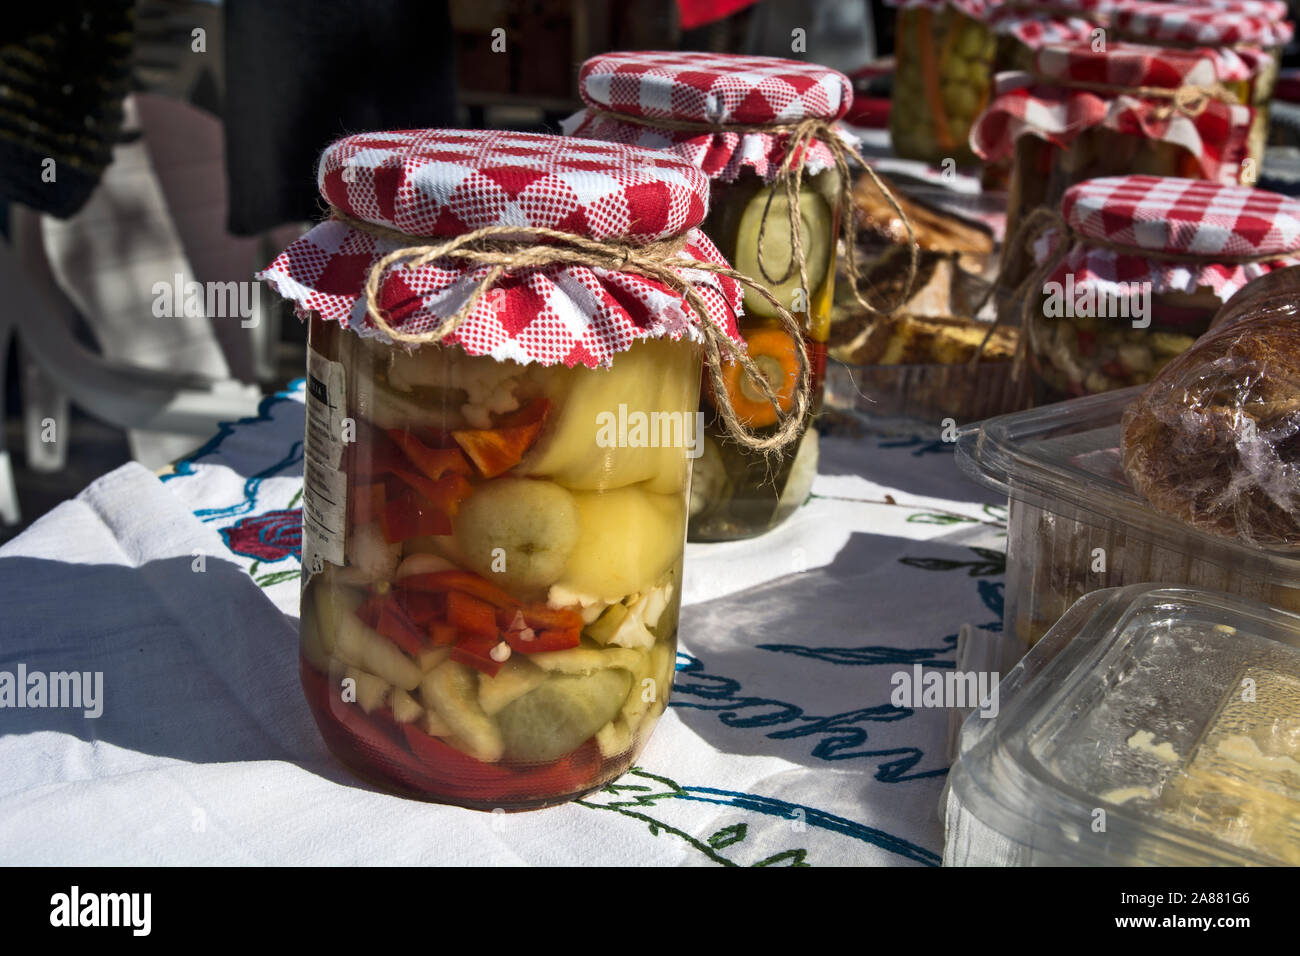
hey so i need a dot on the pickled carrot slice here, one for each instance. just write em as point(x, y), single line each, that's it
point(774, 351)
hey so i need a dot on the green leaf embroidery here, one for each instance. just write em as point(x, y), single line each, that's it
point(729, 835)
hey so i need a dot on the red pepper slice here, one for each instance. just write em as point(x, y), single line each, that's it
point(544, 641)
point(495, 451)
point(474, 650)
point(443, 634)
point(409, 515)
point(445, 494)
point(433, 462)
point(386, 616)
point(469, 614)
point(543, 617)
point(374, 455)
point(465, 582)
point(422, 607)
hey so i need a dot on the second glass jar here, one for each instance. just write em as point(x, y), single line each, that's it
point(736, 493)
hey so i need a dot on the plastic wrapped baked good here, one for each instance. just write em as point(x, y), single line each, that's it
point(1215, 439)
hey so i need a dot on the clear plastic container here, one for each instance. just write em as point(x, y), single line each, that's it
point(498, 579)
point(738, 493)
point(1075, 525)
point(1152, 726)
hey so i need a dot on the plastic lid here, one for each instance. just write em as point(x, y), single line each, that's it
point(1065, 458)
point(1171, 715)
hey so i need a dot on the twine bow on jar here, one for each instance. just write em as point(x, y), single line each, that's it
point(507, 249)
point(800, 137)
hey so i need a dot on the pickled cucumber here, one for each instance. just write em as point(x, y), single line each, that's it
point(778, 248)
point(561, 714)
point(516, 678)
point(451, 691)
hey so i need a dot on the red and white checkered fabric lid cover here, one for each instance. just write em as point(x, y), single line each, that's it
point(714, 88)
point(1026, 105)
point(1089, 8)
point(1034, 30)
point(1200, 25)
point(443, 183)
point(1186, 217)
point(978, 9)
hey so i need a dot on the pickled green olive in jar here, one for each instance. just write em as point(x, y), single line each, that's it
point(735, 492)
point(502, 601)
point(942, 82)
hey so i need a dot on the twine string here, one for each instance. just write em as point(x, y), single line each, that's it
point(800, 137)
point(507, 249)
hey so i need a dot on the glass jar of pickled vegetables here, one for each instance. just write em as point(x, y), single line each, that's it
point(1136, 269)
point(943, 77)
point(1245, 37)
point(1085, 113)
point(501, 419)
point(734, 117)
point(1022, 26)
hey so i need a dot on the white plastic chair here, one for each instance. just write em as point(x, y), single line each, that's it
point(158, 213)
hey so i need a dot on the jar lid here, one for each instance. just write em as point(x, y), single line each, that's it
point(715, 90)
point(434, 185)
point(438, 182)
point(1183, 216)
point(1075, 88)
point(1209, 25)
point(1081, 7)
point(976, 9)
point(1035, 30)
point(1123, 225)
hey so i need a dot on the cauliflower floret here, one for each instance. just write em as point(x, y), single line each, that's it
point(489, 388)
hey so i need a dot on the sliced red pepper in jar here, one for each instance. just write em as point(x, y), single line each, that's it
point(466, 582)
point(543, 617)
point(385, 615)
point(469, 614)
point(475, 650)
point(433, 462)
point(409, 515)
point(443, 634)
point(374, 455)
point(444, 495)
point(422, 607)
point(495, 451)
point(544, 641)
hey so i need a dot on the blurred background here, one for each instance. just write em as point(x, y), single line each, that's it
point(155, 154)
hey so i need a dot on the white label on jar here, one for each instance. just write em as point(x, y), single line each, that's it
point(325, 486)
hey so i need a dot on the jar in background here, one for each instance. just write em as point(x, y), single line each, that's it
point(943, 77)
point(1131, 288)
point(1245, 36)
point(495, 520)
point(732, 116)
point(1084, 114)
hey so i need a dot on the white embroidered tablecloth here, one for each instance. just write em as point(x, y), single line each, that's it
point(780, 747)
